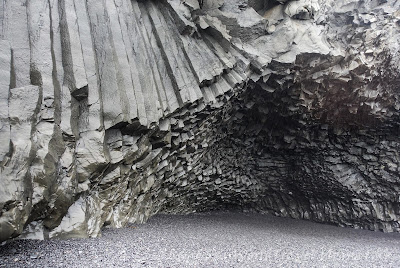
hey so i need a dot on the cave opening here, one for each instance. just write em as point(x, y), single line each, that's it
point(265, 158)
point(198, 105)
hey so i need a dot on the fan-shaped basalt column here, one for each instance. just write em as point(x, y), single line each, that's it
point(113, 111)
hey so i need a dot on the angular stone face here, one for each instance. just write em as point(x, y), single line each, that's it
point(113, 111)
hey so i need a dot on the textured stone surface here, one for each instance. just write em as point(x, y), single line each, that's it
point(113, 111)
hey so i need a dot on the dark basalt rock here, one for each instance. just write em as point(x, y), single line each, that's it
point(113, 111)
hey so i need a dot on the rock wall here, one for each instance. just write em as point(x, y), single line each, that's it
point(112, 111)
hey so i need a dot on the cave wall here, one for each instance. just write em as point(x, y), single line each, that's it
point(113, 111)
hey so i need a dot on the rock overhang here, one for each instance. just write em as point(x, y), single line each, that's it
point(173, 108)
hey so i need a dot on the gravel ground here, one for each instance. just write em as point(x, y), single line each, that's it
point(223, 239)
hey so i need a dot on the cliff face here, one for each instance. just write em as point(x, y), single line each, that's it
point(112, 111)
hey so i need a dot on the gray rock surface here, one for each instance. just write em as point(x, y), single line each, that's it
point(114, 111)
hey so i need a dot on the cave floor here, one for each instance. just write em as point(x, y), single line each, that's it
point(215, 239)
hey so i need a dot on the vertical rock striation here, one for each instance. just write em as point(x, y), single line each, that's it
point(112, 111)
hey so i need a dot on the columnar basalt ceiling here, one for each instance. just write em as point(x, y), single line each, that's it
point(112, 111)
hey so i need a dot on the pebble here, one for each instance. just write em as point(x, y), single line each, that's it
point(34, 256)
point(217, 239)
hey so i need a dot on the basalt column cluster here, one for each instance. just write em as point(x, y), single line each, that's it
point(112, 111)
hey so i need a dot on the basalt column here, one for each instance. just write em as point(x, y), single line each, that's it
point(112, 111)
